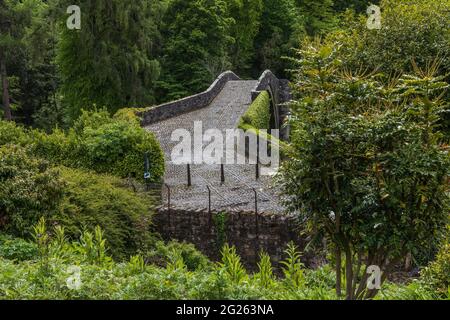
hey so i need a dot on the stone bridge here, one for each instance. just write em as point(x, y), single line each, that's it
point(219, 107)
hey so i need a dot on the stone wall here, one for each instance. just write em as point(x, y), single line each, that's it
point(246, 231)
point(188, 104)
point(267, 81)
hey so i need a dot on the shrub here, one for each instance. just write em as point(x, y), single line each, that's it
point(105, 145)
point(369, 169)
point(10, 133)
point(410, 29)
point(17, 249)
point(129, 114)
point(100, 200)
point(437, 273)
point(73, 198)
point(231, 265)
point(57, 148)
point(416, 290)
point(102, 278)
point(96, 142)
point(29, 188)
point(163, 253)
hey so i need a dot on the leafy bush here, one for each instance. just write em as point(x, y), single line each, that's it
point(17, 249)
point(129, 114)
point(437, 273)
point(369, 168)
point(410, 29)
point(75, 199)
point(163, 253)
point(416, 290)
point(11, 133)
point(96, 142)
point(105, 145)
point(90, 200)
point(29, 189)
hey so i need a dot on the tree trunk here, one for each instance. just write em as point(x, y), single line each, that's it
point(338, 271)
point(348, 273)
point(408, 262)
point(5, 85)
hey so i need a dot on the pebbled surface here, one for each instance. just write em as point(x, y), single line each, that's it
point(236, 193)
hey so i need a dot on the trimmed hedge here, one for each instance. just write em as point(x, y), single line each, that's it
point(258, 117)
point(258, 114)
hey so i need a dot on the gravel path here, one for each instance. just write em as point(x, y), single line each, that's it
point(236, 193)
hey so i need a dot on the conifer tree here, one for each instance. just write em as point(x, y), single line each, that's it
point(196, 40)
point(14, 17)
point(247, 21)
point(110, 61)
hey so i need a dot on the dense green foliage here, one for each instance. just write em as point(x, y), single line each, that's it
point(196, 38)
point(143, 52)
point(90, 200)
point(368, 168)
point(247, 23)
point(110, 62)
point(114, 145)
point(412, 29)
point(258, 114)
point(29, 189)
point(437, 274)
point(75, 199)
point(17, 249)
point(52, 274)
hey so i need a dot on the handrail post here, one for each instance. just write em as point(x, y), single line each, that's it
point(168, 206)
point(209, 204)
point(256, 226)
point(222, 174)
point(257, 156)
point(189, 175)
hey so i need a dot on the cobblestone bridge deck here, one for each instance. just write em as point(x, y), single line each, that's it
point(236, 193)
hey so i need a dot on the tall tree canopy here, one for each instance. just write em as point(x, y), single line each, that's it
point(280, 31)
point(196, 39)
point(247, 21)
point(14, 18)
point(110, 61)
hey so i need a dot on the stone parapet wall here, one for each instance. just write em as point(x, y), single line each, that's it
point(246, 231)
point(188, 104)
point(267, 81)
